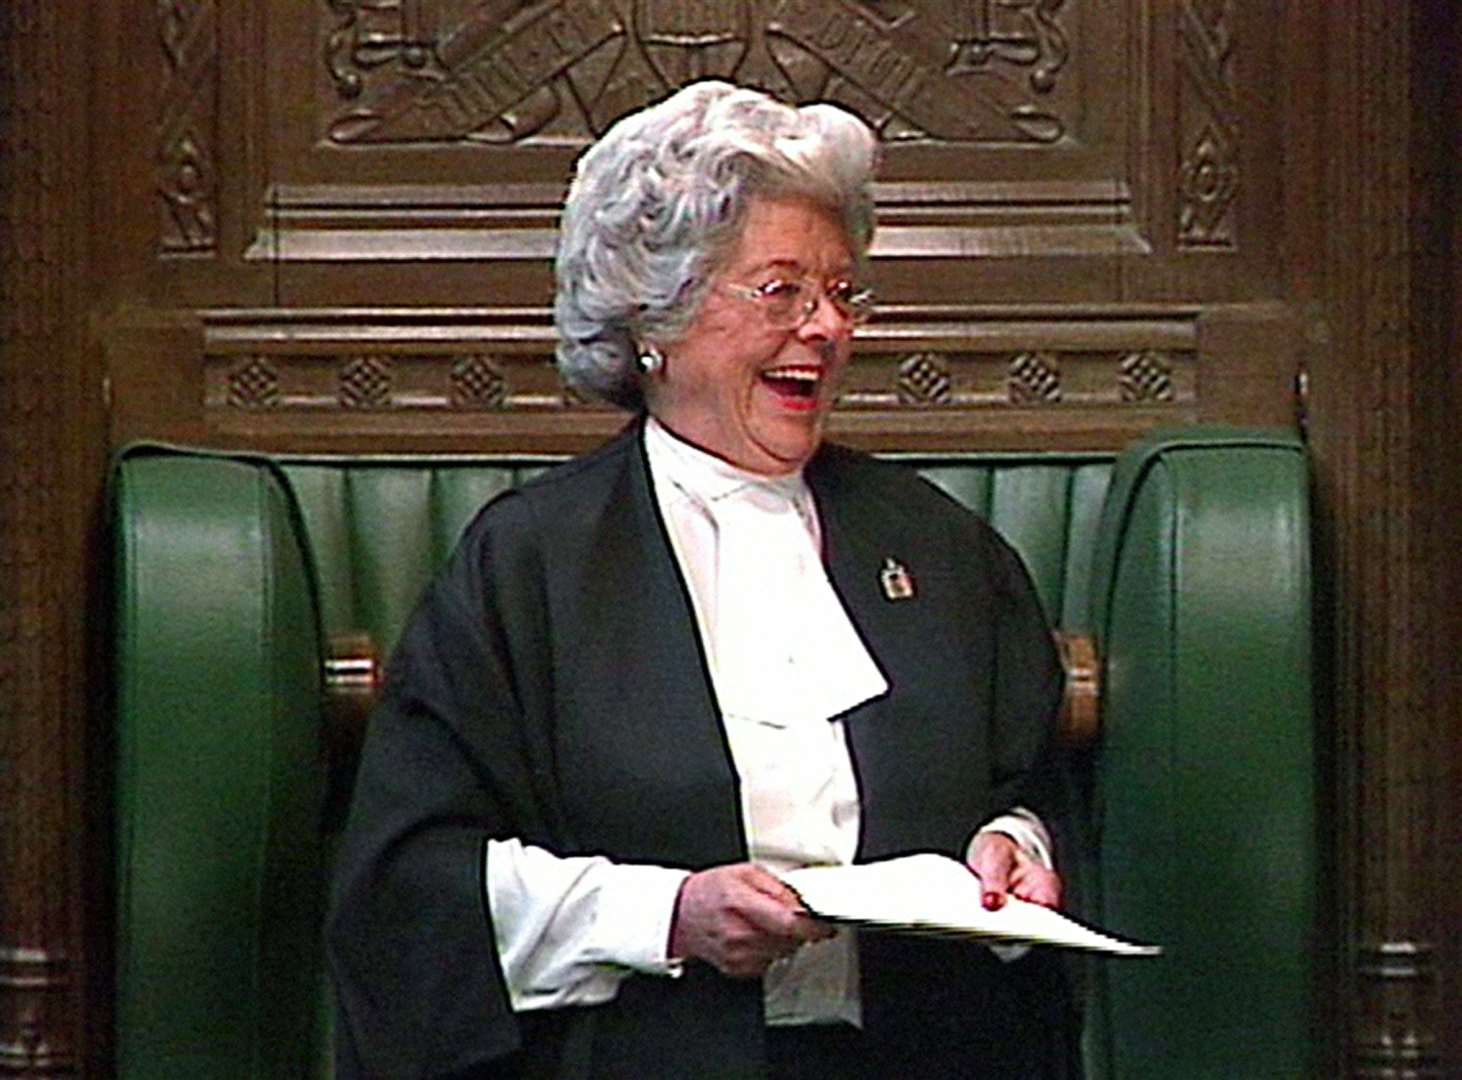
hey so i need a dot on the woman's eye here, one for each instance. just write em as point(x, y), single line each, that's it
point(780, 290)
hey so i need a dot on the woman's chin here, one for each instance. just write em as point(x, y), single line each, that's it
point(787, 442)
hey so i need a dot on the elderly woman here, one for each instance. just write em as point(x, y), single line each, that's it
point(710, 651)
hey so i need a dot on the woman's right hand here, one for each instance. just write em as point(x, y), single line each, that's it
point(740, 918)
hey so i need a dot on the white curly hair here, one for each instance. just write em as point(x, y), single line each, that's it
point(658, 202)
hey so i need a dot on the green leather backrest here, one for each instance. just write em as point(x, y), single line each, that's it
point(378, 528)
point(1188, 559)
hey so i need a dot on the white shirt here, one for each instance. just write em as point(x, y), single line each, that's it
point(786, 663)
point(569, 930)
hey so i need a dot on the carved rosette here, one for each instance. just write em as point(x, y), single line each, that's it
point(953, 380)
point(187, 184)
point(254, 384)
point(365, 383)
point(1035, 379)
point(315, 380)
point(986, 71)
point(1207, 184)
point(1146, 376)
point(923, 379)
point(478, 382)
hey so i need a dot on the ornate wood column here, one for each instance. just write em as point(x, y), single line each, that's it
point(51, 453)
point(1383, 401)
point(1449, 663)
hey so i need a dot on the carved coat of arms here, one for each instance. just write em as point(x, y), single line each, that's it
point(560, 71)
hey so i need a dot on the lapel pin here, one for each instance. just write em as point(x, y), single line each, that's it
point(897, 582)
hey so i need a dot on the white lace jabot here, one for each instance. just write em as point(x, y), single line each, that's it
point(784, 650)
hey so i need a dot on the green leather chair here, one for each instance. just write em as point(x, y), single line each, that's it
point(1186, 557)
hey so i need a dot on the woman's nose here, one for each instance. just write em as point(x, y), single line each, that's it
point(825, 321)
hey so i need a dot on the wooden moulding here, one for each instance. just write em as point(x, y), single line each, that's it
point(1081, 705)
point(353, 672)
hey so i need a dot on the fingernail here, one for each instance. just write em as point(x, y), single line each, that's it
point(994, 901)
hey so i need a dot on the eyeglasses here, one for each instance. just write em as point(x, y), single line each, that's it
point(788, 302)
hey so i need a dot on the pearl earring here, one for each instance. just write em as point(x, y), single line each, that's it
point(650, 359)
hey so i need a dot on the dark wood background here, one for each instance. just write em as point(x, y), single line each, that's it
point(326, 225)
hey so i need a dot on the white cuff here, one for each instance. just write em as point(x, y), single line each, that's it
point(632, 919)
point(570, 929)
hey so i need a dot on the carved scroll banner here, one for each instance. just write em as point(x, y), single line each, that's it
point(908, 64)
point(487, 68)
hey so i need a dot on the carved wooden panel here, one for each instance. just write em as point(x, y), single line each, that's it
point(1208, 126)
point(1058, 165)
point(187, 150)
point(480, 379)
point(477, 89)
point(1096, 216)
point(527, 74)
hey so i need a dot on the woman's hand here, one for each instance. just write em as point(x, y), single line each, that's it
point(739, 918)
point(1004, 868)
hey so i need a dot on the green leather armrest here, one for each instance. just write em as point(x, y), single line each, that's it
point(219, 780)
point(1205, 807)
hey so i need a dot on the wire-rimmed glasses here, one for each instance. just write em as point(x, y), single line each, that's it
point(788, 301)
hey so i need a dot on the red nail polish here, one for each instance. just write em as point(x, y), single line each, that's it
point(994, 901)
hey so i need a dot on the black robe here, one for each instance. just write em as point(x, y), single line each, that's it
point(552, 686)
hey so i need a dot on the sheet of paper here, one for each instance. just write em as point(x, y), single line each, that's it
point(932, 893)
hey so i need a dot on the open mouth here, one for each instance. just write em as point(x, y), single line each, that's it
point(795, 383)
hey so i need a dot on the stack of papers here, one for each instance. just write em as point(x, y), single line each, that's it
point(934, 894)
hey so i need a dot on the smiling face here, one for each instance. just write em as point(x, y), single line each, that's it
point(734, 386)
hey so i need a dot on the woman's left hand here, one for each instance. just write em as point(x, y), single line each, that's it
point(1003, 868)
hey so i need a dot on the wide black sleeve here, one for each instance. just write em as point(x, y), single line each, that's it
point(450, 760)
point(1028, 687)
